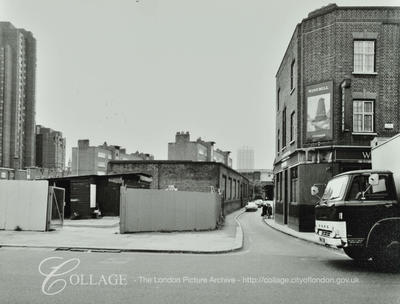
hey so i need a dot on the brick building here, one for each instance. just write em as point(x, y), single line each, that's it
point(261, 182)
point(337, 88)
point(200, 176)
point(50, 149)
point(17, 97)
point(88, 160)
point(199, 150)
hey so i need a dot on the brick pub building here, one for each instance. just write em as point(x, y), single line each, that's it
point(338, 87)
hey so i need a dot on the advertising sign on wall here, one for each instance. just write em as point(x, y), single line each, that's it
point(319, 111)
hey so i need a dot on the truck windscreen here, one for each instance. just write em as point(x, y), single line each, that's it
point(335, 188)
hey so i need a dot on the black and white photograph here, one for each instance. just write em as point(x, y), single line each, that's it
point(199, 151)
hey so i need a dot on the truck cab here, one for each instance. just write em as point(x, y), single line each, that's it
point(359, 212)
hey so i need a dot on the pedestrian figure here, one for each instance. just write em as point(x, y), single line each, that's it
point(264, 211)
point(269, 210)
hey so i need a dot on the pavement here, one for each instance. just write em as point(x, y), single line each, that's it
point(305, 236)
point(103, 235)
point(104, 222)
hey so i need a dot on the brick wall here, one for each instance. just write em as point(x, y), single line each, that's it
point(189, 176)
point(287, 97)
point(323, 48)
point(327, 43)
point(136, 167)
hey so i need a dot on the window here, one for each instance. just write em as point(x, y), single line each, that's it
point(284, 128)
point(230, 188)
point(382, 191)
point(224, 185)
point(292, 125)
point(335, 188)
point(292, 74)
point(237, 189)
point(279, 142)
point(278, 99)
point(364, 56)
point(363, 116)
point(277, 186)
point(293, 184)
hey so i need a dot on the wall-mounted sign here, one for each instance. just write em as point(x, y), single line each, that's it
point(319, 111)
point(352, 154)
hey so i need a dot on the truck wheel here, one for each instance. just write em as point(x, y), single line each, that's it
point(387, 256)
point(356, 253)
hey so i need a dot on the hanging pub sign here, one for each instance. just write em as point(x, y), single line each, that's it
point(319, 111)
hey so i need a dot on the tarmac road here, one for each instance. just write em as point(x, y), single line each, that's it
point(271, 268)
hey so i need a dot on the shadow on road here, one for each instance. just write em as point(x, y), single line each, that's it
point(355, 266)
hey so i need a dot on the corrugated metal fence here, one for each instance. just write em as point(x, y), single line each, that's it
point(160, 210)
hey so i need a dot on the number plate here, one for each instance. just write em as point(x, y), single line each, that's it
point(322, 240)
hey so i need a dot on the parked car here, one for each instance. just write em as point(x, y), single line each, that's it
point(251, 206)
point(266, 202)
point(259, 202)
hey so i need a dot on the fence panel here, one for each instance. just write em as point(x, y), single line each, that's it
point(160, 210)
point(23, 205)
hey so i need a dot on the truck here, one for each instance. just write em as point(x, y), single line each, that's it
point(359, 210)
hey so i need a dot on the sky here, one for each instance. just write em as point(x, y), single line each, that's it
point(134, 72)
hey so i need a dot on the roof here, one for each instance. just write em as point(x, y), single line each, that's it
point(333, 7)
point(369, 171)
point(255, 170)
point(146, 176)
point(156, 162)
point(167, 162)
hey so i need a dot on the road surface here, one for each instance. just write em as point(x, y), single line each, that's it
point(271, 268)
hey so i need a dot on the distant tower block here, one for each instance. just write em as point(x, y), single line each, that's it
point(17, 97)
point(321, 111)
point(245, 158)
